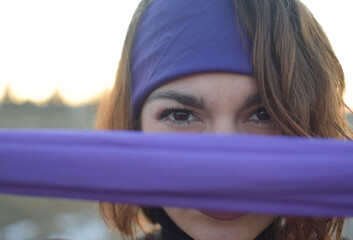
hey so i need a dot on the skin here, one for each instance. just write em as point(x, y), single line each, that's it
point(223, 103)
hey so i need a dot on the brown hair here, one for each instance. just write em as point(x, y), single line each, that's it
point(300, 82)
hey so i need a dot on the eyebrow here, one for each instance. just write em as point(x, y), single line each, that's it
point(182, 98)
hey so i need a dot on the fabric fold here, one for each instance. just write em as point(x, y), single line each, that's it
point(263, 174)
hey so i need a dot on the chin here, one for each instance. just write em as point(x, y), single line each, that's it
point(210, 224)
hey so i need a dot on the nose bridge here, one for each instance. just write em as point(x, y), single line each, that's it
point(225, 124)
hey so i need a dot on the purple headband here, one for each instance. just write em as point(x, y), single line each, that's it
point(175, 38)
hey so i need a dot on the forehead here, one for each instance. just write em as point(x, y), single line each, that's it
point(211, 83)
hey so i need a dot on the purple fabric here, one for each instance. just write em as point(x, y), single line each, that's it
point(178, 38)
point(263, 174)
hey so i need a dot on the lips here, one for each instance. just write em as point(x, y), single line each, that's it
point(222, 215)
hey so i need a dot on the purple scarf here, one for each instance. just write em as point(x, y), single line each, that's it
point(263, 174)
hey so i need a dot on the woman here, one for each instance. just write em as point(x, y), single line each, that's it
point(222, 66)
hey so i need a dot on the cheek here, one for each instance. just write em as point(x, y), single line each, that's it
point(273, 130)
point(147, 120)
point(148, 125)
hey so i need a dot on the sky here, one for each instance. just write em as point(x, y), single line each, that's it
point(74, 45)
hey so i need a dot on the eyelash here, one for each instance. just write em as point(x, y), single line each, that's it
point(182, 123)
point(175, 123)
point(259, 121)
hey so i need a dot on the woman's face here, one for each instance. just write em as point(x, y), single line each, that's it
point(211, 102)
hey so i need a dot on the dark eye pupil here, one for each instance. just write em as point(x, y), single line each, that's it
point(181, 116)
point(262, 114)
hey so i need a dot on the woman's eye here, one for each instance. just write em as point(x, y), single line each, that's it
point(180, 116)
point(177, 116)
point(261, 116)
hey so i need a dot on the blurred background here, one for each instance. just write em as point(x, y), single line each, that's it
point(56, 59)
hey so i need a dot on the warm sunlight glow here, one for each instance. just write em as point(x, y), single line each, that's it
point(70, 45)
point(74, 45)
point(336, 18)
